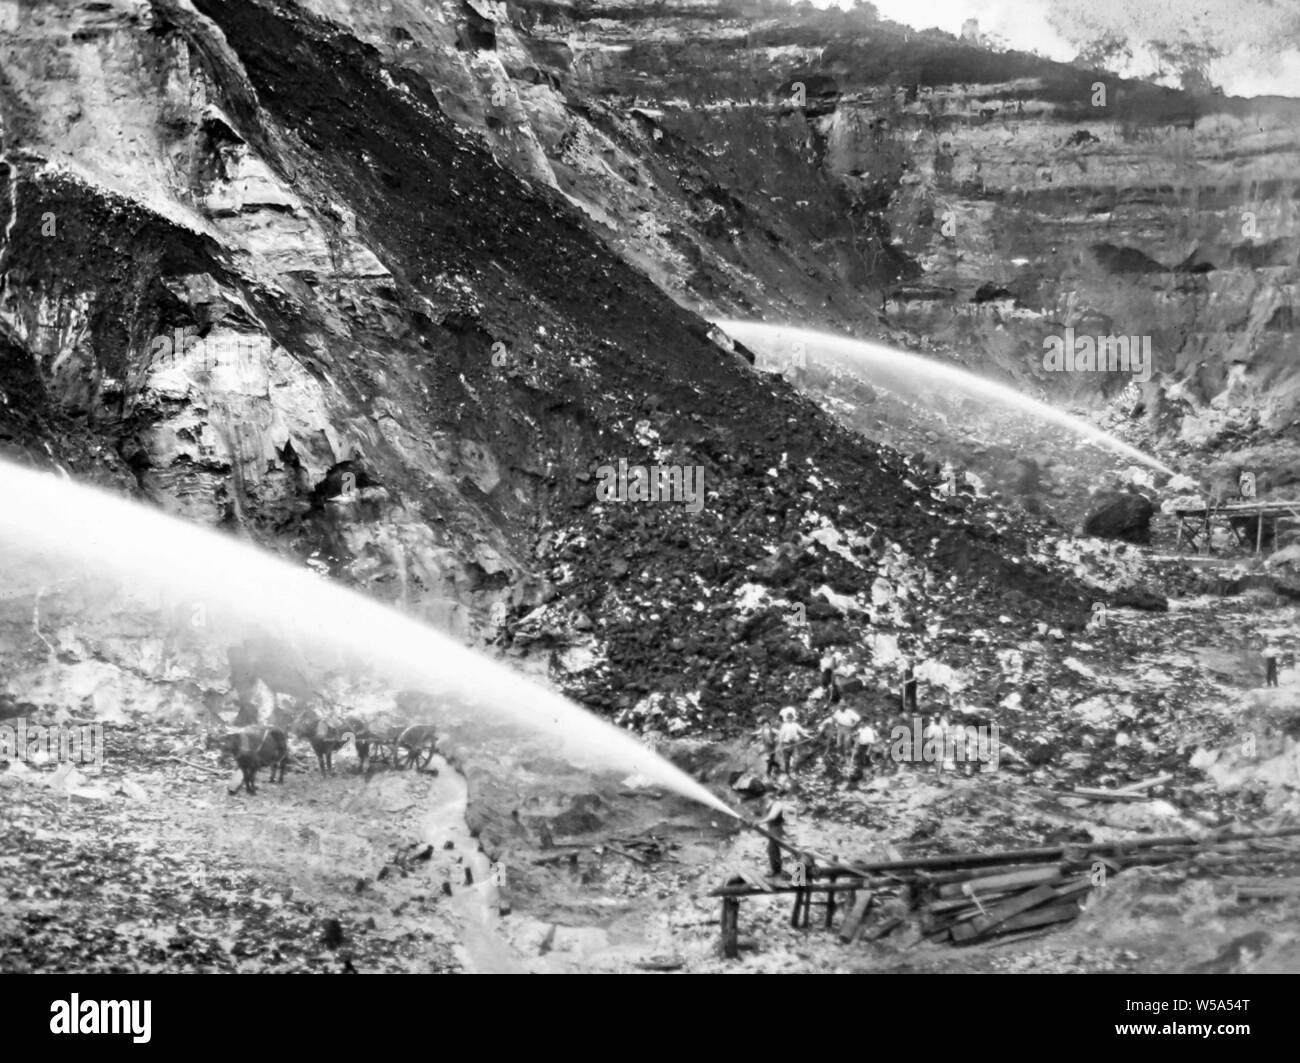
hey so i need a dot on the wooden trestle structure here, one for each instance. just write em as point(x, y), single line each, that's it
point(967, 898)
point(1197, 525)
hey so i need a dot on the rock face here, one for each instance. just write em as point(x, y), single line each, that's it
point(255, 273)
point(833, 169)
point(1120, 515)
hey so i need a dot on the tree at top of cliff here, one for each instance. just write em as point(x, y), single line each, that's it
point(1193, 43)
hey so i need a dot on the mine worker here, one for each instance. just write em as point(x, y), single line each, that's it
point(828, 669)
point(935, 741)
point(846, 720)
point(788, 737)
point(950, 739)
point(864, 747)
point(1271, 654)
point(967, 737)
point(909, 688)
point(824, 735)
point(774, 823)
point(961, 745)
point(830, 663)
point(766, 735)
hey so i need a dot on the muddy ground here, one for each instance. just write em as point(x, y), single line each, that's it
point(498, 865)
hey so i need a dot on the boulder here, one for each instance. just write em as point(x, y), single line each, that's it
point(1141, 598)
point(1117, 515)
point(749, 784)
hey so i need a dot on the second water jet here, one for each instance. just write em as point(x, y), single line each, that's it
point(912, 373)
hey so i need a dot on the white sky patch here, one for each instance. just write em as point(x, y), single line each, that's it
point(1024, 26)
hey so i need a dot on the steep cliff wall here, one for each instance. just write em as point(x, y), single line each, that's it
point(255, 273)
point(840, 172)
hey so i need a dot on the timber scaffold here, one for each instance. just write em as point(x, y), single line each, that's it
point(1196, 526)
point(967, 898)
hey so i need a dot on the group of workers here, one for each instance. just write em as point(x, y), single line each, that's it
point(843, 733)
point(847, 738)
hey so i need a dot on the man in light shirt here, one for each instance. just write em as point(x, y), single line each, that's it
point(1271, 654)
point(846, 722)
point(827, 668)
point(788, 737)
point(864, 748)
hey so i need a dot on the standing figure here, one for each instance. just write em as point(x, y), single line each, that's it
point(909, 689)
point(846, 722)
point(828, 683)
point(1271, 654)
point(935, 743)
point(825, 735)
point(864, 749)
point(766, 735)
point(950, 739)
point(774, 823)
point(788, 738)
point(827, 670)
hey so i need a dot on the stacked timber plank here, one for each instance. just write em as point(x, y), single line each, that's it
point(990, 905)
point(969, 898)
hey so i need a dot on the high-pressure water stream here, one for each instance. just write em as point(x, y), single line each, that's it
point(81, 533)
point(880, 364)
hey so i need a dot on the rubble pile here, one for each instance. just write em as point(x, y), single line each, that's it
point(796, 552)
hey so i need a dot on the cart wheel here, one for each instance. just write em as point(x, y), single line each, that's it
point(423, 756)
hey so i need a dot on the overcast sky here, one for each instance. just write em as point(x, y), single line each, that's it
point(1246, 70)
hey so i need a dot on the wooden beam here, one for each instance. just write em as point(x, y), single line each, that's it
point(992, 883)
point(825, 866)
point(730, 927)
point(887, 927)
point(853, 924)
point(749, 891)
point(1054, 913)
point(1096, 794)
point(1123, 852)
point(935, 878)
point(956, 904)
point(1002, 912)
point(1147, 784)
point(624, 853)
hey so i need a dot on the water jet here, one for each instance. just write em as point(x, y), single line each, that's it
point(72, 533)
point(882, 364)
